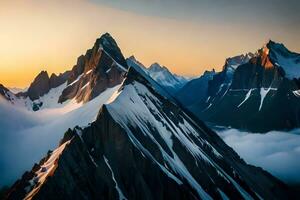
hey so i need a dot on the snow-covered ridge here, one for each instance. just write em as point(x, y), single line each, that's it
point(46, 169)
point(143, 113)
point(287, 60)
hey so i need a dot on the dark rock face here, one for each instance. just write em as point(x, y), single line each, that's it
point(56, 81)
point(4, 92)
point(195, 91)
point(110, 46)
point(101, 67)
point(42, 84)
point(259, 97)
point(150, 149)
point(39, 86)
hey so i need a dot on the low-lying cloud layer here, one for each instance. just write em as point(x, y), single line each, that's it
point(26, 136)
point(277, 152)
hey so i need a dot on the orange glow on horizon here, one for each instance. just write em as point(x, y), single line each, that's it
point(51, 35)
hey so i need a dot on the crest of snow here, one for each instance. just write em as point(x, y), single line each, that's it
point(139, 114)
point(207, 107)
point(85, 85)
point(263, 94)
point(121, 195)
point(132, 61)
point(88, 72)
point(46, 169)
point(140, 107)
point(223, 195)
point(121, 67)
point(296, 93)
point(290, 65)
point(246, 97)
point(115, 62)
point(37, 132)
point(77, 79)
point(92, 159)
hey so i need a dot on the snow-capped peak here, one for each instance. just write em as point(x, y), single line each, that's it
point(164, 77)
point(289, 61)
point(232, 63)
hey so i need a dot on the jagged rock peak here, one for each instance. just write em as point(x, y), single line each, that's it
point(133, 61)
point(157, 67)
point(39, 86)
point(3, 88)
point(109, 45)
point(4, 92)
point(234, 62)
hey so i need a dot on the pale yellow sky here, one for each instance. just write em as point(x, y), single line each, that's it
point(50, 35)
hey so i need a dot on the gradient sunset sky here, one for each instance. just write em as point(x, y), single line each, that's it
point(187, 36)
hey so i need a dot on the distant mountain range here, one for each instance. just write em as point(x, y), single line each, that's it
point(257, 92)
point(124, 134)
point(171, 82)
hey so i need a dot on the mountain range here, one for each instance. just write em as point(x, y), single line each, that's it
point(125, 131)
point(256, 92)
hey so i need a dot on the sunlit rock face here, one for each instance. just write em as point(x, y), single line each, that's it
point(100, 68)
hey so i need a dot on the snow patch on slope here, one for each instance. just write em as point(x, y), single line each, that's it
point(246, 97)
point(121, 195)
point(263, 94)
point(290, 65)
point(46, 169)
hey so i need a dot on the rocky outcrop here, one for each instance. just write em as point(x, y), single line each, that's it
point(55, 81)
point(148, 149)
point(5, 93)
point(42, 84)
point(100, 68)
point(39, 86)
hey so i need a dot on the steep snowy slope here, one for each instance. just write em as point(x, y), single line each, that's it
point(143, 146)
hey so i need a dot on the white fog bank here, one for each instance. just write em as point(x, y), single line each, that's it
point(26, 136)
point(275, 151)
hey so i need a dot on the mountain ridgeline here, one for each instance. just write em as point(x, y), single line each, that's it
point(147, 141)
point(144, 146)
point(102, 67)
point(259, 93)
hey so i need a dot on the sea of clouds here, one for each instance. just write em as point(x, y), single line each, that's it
point(26, 136)
point(275, 151)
